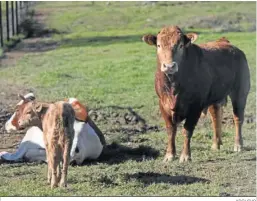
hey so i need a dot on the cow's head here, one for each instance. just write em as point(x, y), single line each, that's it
point(12, 123)
point(28, 113)
point(171, 44)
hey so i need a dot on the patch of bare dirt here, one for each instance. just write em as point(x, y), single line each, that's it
point(123, 120)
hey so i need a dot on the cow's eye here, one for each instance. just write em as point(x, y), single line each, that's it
point(180, 46)
point(158, 46)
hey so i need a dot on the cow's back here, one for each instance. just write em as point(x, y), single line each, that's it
point(224, 65)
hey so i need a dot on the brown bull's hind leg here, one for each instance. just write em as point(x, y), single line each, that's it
point(216, 116)
point(171, 130)
point(238, 119)
point(238, 99)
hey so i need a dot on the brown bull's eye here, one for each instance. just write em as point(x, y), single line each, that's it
point(158, 46)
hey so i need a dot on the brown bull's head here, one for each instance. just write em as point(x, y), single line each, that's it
point(170, 43)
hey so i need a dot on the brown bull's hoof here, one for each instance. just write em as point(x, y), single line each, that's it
point(216, 146)
point(169, 157)
point(53, 185)
point(238, 148)
point(63, 184)
point(184, 158)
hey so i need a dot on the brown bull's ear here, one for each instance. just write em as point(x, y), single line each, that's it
point(190, 38)
point(149, 39)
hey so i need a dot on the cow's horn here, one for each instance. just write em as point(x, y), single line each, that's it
point(22, 97)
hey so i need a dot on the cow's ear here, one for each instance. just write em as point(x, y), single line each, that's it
point(39, 107)
point(190, 38)
point(149, 39)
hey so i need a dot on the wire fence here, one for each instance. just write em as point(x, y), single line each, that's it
point(12, 13)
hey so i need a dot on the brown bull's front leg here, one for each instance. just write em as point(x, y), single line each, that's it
point(188, 130)
point(171, 147)
point(171, 131)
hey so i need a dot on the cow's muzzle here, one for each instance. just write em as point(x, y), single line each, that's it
point(170, 68)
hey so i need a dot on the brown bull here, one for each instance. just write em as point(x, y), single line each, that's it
point(190, 78)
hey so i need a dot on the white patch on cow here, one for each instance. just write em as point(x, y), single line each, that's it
point(8, 125)
point(87, 142)
point(72, 100)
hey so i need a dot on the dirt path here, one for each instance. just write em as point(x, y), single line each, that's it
point(8, 90)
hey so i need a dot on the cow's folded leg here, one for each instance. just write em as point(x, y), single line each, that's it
point(37, 155)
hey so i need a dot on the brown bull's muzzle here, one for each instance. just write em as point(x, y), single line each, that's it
point(169, 68)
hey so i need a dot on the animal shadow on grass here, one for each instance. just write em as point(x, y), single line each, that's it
point(115, 154)
point(149, 178)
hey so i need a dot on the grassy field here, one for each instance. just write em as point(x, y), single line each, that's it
point(99, 57)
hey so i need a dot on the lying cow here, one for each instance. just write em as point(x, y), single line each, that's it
point(190, 78)
point(87, 141)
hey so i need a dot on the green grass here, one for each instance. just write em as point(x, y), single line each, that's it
point(103, 62)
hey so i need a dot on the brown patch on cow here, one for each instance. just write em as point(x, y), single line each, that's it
point(80, 111)
point(223, 39)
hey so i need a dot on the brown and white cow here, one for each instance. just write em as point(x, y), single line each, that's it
point(87, 144)
point(56, 120)
point(191, 77)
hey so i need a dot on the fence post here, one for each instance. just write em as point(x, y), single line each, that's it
point(7, 19)
point(16, 14)
point(13, 25)
point(1, 26)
